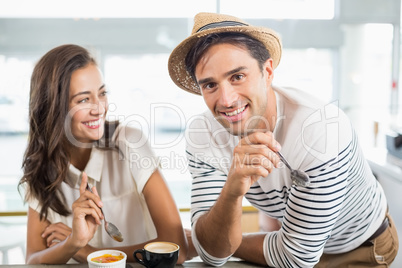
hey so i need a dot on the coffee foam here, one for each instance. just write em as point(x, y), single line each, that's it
point(161, 247)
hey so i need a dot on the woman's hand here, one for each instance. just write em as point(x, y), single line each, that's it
point(86, 215)
point(59, 243)
point(56, 233)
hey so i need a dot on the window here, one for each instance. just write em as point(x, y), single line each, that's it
point(279, 9)
point(310, 70)
point(143, 95)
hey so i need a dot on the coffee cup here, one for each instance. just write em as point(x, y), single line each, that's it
point(158, 255)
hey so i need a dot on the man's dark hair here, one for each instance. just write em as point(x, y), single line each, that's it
point(256, 49)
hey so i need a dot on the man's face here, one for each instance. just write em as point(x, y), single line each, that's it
point(235, 89)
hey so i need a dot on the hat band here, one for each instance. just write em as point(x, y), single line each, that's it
point(221, 24)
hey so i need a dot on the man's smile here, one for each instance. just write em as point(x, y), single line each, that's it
point(234, 114)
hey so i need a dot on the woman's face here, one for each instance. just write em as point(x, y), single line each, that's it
point(87, 104)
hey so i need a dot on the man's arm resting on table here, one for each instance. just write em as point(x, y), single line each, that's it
point(219, 231)
point(252, 248)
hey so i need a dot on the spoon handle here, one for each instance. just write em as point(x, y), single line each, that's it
point(110, 228)
point(89, 189)
point(284, 161)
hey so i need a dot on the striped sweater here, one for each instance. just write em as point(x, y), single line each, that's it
point(343, 205)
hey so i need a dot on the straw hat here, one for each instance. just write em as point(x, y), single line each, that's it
point(207, 23)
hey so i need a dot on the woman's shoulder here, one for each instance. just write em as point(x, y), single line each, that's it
point(127, 133)
point(132, 140)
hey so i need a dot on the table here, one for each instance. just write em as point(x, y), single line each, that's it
point(131, 265)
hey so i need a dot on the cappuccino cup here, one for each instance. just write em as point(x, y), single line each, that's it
point(158, 255)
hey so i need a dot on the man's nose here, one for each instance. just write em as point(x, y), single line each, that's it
point(227, 96)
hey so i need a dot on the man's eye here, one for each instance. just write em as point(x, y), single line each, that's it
point(237, 77)
point(209, 85)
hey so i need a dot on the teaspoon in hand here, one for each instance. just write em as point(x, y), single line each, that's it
point(110, 228)
point(299, 177)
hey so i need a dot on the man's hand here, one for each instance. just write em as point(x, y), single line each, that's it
point(219, 231)
point(254, 157)
point(191, 253)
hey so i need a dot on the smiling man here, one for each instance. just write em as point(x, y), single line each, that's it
point(339, 218)
point(236, 94)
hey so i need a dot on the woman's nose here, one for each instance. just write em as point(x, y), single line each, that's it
point(99, 108)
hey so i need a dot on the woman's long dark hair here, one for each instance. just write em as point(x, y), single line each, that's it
point(46, 159)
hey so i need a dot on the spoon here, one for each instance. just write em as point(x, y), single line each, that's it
point(110, 228)
point(299, 177)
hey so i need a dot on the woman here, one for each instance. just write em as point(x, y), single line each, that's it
point(71, 144)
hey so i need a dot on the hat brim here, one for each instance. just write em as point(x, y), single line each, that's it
point(177, 66)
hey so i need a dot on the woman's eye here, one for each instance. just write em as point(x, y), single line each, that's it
point(83, 100)
point(104, 93)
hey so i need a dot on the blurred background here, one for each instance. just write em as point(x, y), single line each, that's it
point(343, 51)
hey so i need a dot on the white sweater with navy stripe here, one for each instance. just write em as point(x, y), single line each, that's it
point(340, 209)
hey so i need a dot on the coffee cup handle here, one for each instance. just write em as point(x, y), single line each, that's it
point(140, 261)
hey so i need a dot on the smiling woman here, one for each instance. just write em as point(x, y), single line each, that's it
point(71, 146)
point(88, 104)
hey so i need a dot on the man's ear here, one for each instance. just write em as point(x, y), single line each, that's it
point(268, 70)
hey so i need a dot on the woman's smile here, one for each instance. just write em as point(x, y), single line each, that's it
point(94, 124)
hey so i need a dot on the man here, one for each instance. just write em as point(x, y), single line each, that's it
point(338, 218)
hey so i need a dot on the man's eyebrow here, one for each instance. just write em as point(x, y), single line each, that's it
point(209, 79)
point(86, 92)
point(205, 80)
point(238, 69)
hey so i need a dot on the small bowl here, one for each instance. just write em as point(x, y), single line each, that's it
point(116, 264)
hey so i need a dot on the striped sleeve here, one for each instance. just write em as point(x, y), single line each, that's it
point(206, 187)
point(204, 255)
point(310, 216)
point(321, 215)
